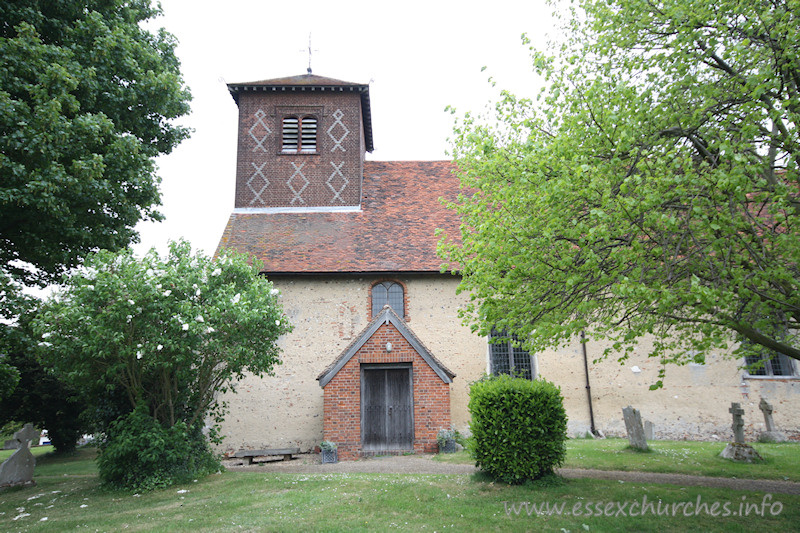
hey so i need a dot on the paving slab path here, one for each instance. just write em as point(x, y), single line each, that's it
point(424, 464)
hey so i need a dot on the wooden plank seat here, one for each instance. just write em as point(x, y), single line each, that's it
point(249, 454)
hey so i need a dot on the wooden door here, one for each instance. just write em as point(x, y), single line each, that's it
point(387, 412)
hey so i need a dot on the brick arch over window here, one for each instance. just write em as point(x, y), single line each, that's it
point(388, 292)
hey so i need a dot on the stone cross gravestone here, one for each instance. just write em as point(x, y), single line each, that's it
point(738, 422)
point(738, 450)
point(766, 408)
point(18, 469)
point(633, 423)
point(771, 434)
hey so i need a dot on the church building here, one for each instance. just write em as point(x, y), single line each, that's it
point(379, 360)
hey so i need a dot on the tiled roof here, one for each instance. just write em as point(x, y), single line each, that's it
point(301, 79)
point(393, 231)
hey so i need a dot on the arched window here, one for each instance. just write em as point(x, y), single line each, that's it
point(388, 293)
point(299, 135)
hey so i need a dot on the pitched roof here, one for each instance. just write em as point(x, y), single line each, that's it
point(386, 316)
point(392, 232)
point(299, 80)
point(312, 82)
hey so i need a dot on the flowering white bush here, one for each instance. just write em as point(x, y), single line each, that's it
point(171, 332)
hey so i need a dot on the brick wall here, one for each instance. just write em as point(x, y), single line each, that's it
point(342, 395)
point(330, 177)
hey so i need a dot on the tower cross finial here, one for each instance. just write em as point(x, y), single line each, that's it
point(309, 50)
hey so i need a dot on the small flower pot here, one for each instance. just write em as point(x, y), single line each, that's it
point(448, 446)
point(329, 456)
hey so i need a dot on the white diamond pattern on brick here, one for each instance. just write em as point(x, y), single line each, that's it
point(259, 131)
point(337, 172)
point(298, 171)
point(338, 142)
point(257, 175)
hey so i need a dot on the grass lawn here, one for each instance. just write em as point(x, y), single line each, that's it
point(69, 497)
point(781, 461)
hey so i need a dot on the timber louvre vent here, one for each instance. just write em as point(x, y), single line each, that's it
point(300, 134)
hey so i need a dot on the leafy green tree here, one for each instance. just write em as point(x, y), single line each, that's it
point(650, 189)
point(171, 333)
point(34, 393)
point(9, 377)
point(87, 96)
point(46, 401)
point(13, 303)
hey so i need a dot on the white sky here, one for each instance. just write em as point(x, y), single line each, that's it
point(417, 56)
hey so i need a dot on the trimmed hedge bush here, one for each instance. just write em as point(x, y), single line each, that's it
point(519, 427)
point(140, 455)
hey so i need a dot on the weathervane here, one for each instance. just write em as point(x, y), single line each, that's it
point(309, 52)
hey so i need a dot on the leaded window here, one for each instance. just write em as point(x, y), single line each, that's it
point(762, 361)
point(388, 293)
point(508, 357)
point(769, 364)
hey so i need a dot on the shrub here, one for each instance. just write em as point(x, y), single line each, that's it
point(140, 454)
point(519, 428)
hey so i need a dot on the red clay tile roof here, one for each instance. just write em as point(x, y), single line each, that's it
point(393, 232)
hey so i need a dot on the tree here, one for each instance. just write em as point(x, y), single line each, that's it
point(650, 189)
point(170, 332)
point(46, 401)
point(87, 96)
point(13, 304)
point(168, 336)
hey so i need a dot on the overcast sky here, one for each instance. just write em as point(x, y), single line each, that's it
point(418, 58)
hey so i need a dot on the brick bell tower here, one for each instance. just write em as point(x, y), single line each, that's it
point(302, 141)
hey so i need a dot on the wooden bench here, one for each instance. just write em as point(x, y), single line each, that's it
point(249, 454)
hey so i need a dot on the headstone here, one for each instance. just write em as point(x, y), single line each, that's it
point(771, 434)
point(738, 422)
point(649, 430)
point(18, 469)
point(738, 450)
point(633, 423)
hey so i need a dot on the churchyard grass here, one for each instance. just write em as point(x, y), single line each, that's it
point(781, 461)
point(35, 450)
point(68, 497)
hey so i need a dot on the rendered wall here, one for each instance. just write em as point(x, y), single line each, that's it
point(287, 409)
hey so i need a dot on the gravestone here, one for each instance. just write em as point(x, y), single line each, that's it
point(649, 430)
point(18, 469)
point(633, 424)
point(771, 434)
point(738, 422)
point(738, 450)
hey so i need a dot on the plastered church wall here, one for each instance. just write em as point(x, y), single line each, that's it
point(287, 409)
